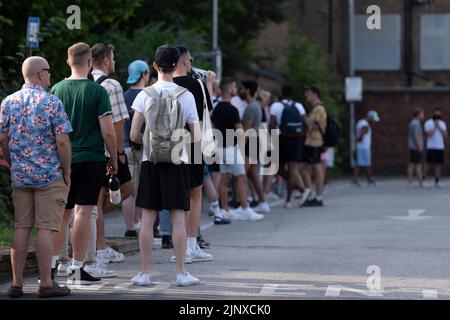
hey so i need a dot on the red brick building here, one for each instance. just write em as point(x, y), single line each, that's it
point(404, 65)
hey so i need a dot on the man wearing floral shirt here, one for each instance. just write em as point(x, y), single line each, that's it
point(33, 136)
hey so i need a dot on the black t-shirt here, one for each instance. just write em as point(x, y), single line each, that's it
point(225, 116)
point(194, 87)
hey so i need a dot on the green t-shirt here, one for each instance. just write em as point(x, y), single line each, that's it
point(85, 102)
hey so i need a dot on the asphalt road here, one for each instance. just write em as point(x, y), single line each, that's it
point(385, 243)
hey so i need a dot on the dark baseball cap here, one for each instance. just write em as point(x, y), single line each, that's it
point(167, 56)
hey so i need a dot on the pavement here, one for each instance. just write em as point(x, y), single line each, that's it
point(389, 242)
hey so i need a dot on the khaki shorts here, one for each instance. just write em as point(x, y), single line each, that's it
point(40, 208)
point(134, 163)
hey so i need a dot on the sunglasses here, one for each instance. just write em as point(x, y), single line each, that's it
point(48, 70)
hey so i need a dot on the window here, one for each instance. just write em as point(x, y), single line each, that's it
point(378, 50)
point(435, 42)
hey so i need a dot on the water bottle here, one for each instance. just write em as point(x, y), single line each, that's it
point(114, 190)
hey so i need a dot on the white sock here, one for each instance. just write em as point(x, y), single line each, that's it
point(54, 259)
point(320, 198)
point(215, 204)
point(191, 244)
point(76, 264)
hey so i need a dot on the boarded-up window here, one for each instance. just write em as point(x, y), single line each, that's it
point(378, 50)
point(435, 42)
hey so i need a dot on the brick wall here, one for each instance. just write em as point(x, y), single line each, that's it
point(396, 108)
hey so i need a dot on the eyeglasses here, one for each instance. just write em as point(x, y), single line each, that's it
point(48, 70)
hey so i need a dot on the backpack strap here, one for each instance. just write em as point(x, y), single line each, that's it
point(152, 92)
point(178, 92)
point(102, 78)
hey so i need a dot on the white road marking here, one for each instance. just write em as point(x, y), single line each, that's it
point(335, 291)
point(430, 294)
point(413, 215)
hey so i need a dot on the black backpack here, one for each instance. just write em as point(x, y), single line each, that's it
point(332, 132)
point(291, 121)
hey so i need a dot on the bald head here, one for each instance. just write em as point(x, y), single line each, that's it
point(32, 65)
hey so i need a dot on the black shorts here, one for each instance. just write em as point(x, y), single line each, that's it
point(312, 155)
point(197, 172)
point(86, 181)
point(215, 167)
point(435, 156)
point(415, 156)
point(163, 186)
point(123, 173)
point(291, 149)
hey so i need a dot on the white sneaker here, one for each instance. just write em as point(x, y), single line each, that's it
point(287, 205)
point(186, 279)
point(304, 197)
point(109, 255)
point(98, 270)
point(198, 255)
point(137, 226)
point(272, 196)
point(262, 207)
point(187, 259)
point(249, 214)
point(63, 270)
point(231, 215)
point(141, 279)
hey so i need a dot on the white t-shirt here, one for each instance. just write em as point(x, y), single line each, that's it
point(239, 104)
point(276, 109)
point(366, 141)
point(436, 141)
point(187, 102)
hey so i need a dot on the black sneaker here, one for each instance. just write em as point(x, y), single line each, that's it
point(202, 243)
point(254, 204)
point(131, 234)
point(80, 277)
point(221, 220)
point(166, 242)
point(313, 203)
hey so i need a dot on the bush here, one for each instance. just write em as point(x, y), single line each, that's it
point(6, 204)
point(308, 65)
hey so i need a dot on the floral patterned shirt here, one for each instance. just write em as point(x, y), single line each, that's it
point(31, 117)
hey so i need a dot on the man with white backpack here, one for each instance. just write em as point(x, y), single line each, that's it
point(164, 108)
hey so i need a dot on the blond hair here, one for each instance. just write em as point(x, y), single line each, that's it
point(78, 53)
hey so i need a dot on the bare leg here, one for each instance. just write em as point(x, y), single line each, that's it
point(223, 191)
point(253, 175)
point(319, 174)
point(19, 252)
point(193, 217)
point(44, 250)
point(129, 212)
point(81, 231)
point(146, 238)
point(418, 168)
point(210, 190)
point(369, 174)
point(101, 241)
point(60, 236)
point(179, 237)
point(241, 190)
point(410, 172)
point(356, 174)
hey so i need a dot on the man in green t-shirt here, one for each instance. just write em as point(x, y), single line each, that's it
point(89, 110)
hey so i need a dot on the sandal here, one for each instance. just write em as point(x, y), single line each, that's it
point(15, 292)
